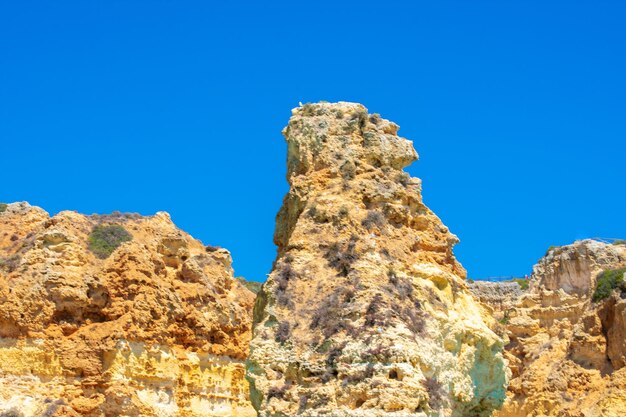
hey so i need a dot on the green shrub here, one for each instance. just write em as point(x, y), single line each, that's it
point(506, 318)
point(617, 242)
point(308, 109)
point(607, 282)
point(523, 283)
point(104, 239)
point(3, 207)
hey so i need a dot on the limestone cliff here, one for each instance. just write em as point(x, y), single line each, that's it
point(155, 327)
point(366, 311)
point(567, 352)
point(499, 297)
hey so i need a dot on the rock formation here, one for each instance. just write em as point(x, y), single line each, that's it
point(155, 327)
point(366, 311)
point(567, 352)
point(499, 297)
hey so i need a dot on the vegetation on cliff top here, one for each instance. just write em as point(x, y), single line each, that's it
point(104, 239)
point(3, 207)
point(522, 282)
point(253, 286)
point(607, 282)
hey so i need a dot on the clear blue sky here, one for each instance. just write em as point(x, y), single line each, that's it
point(518, 111)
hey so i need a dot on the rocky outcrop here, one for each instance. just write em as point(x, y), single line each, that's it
point(155, 327)
point(366, 311)
point(574, 268)
point(566, 351)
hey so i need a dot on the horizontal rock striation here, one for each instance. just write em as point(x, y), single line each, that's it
point(139, 320)
point(366, 311)
point(500, 297)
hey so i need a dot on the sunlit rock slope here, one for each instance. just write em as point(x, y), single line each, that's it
point(117, 315)
point(366, 311)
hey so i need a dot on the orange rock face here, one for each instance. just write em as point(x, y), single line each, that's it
point(566, 350)
point(159, 327)
point(366, 312)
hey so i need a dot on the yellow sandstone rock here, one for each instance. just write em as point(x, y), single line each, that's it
point(366, 311)
point(158, 328)
point(566, 351)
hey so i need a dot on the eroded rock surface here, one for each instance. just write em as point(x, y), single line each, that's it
point(158, 328)
point(366, 311)
point(567, 353)
point(499, 297)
